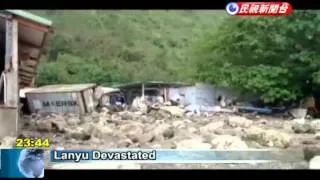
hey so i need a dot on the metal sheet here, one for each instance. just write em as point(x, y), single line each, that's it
point(80, 101)
point(63, 88)
point(55, 103)
point(89, 103)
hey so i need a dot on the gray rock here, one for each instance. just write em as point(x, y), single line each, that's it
point(310, 151)
point(303, 128)
point(192, 144)
point(211, 127)
point(44, 126)
point(238, 121)
point(228, 142)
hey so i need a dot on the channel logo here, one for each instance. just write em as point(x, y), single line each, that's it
point(232, 8)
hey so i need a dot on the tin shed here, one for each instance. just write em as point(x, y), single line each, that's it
point(65, 98)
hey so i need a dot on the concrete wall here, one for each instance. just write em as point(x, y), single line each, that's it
point(8, 122)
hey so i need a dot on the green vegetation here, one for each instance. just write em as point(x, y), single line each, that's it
point(111, 47)
point(275, 57)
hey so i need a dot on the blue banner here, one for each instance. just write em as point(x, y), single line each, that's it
point(163, 156)
point(22, 163)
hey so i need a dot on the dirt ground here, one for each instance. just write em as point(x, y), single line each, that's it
point(161, 130)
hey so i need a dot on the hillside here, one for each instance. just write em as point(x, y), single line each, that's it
point(121, 46)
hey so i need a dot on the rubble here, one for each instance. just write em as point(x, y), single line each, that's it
point(168, 129)
point(79, 134)
point(164, 130)
point(310, 151)
point(211, 127)
point(44, 126)
point(73, 121)
point(270, 138)
point(173, 110)
point(228, 142)
point(303, 128)
point(315, 124)
point(238, 121)
point(193, 144)
point(179, 124)
point(8, 142)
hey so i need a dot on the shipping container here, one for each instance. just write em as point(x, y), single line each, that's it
point(65, 98)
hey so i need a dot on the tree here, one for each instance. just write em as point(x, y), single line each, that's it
point(275, 57)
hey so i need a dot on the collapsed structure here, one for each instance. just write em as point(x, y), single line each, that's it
point(23, 38)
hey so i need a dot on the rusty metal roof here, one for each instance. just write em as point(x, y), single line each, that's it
point(30, 16)
point(33, 34)
point(62, 88)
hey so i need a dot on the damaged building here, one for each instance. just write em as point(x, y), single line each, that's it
point(198, 94)
point(24, 39)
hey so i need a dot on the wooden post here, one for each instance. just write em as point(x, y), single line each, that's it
point(9, 114)
point(142, 91)
point(12, 68)
point(165, 94)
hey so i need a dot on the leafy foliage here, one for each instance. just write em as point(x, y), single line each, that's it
point(110, 47)
point(277, 58)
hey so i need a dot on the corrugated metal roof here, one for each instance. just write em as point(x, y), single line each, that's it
point(107, 90)
point(151, 83)
point(30, 16)
point(62, 88)
point(22, 92)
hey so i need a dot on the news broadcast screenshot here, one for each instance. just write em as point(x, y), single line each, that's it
point(234, 87)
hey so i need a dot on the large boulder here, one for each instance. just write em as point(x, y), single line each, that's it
point(238, 121)
point(211, 127)
point(315, 124)
point(179, 124)
point(102, 131)
point(52, 123)
point(228, 142)
point(173, 110)
point(126, 115)
point(164, 130)
point(132, 128)
point(270, 138)
point(275, 138)
point(192, 144)
point(78, 134)
point(44, 126)
point(73, 121)
point(303, 128)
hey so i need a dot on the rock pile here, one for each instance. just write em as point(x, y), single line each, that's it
point(164, 128)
